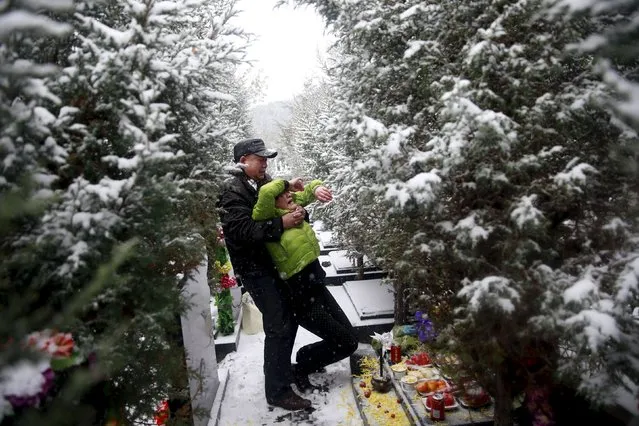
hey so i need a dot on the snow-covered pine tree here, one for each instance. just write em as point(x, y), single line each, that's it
point(486, 154)
point(305, 134)
point(382, 88)
point(612, 40)
point(30, 155)
point(29, 149)
point(145, 84)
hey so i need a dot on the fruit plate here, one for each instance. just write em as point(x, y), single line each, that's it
point(445, 388)
point(446, 407)
point(474, 407)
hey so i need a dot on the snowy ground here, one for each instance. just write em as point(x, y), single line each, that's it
point(244, 402)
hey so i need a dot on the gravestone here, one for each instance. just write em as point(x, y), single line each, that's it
point(340, 268)
point(199, 345)
point(326, 242)
point(371, 298)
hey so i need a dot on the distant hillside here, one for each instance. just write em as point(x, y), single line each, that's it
point(267, 120)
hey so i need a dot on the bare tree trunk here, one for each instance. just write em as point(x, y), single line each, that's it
point(504, 397)
point(400, 302)
point(360, 267)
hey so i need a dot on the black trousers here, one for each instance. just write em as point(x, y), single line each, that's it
point(317, 311)
point(272, 299)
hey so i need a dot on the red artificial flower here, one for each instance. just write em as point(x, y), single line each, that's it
point(227, 282)
point(61, 345)
point(162, 413)
point(56, 344)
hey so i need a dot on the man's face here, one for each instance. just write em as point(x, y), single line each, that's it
point(255, 166)
point(284, 201)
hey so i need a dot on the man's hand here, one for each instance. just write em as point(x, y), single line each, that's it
point(294, 218)
point(296, 184)
point(323, 194)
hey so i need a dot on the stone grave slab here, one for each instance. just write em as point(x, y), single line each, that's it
point(371, 298)
point(344, 264)
point(326, 242)
point(333, 277)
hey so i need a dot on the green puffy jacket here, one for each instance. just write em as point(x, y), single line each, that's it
point(298, 246)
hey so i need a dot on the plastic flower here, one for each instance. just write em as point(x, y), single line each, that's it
point(222, 269)
point(58, 345)
point(386, 339)
point(26, 384)
point(162, 413)
point(425, 329)
point(61, 345)
point(227, 282)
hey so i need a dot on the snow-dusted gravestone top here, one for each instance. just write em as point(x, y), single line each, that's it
point(371, 298)
point(199, 345)
point(343, 264)
point(326, 240)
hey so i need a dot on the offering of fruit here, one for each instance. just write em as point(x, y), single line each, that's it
point(367, 393)
point(421, 358)
point(449, 401)
point(428, 387)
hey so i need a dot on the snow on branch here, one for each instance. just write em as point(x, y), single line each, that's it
point(574, 175)
point(526, 213)
point(628, 281)
point(493, 292)
point(21, 20)
point(120, 38)
point(582, 289)
point(628, 105)
point(595, 6)
point(421, 188)
point(370, 128)
point(469, 229)
point(594, 327)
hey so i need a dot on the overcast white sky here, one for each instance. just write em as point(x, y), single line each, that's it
point(285, 52)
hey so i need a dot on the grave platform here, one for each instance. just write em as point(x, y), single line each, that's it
point(368, 304)
point(340, 268)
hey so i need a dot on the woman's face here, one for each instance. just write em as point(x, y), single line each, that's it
point(284, 201)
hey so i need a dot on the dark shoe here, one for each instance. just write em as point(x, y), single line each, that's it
point(302, 381)
point(290, 401)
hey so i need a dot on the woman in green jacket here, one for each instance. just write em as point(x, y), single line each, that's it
point(296, 259)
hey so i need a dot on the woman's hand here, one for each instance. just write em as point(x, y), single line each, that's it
point(296, 184)
point(293, 218)
point(323, 194)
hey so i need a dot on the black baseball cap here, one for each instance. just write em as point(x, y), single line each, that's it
point(252, 146)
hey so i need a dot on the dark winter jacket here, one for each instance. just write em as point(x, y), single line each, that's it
point(298, 247)
point(245, 238)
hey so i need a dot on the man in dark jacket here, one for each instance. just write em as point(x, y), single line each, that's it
point(254, 268)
